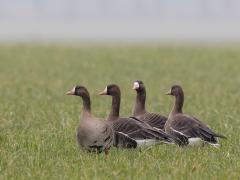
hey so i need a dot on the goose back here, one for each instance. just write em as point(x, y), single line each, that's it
point(154, 119)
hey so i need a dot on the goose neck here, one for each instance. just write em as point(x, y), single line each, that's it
point(139, 106)
point(116, 100)
point(177, 108)
point(86, 105)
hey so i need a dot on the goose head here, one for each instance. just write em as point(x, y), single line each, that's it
point(175, 90)
point(78, 91)
point(138, 86)
point(111, 90)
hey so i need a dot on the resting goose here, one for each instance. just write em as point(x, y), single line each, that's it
point(188, 130)
point(153, 119)
point(93, 134)
point(132, 127)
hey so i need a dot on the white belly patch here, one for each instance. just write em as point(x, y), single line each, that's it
point(146, 142)
point(195, 142)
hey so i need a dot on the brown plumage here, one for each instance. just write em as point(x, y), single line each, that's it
point(132, 127)
point(93, 134)
point(155, 120)
point(187, 130)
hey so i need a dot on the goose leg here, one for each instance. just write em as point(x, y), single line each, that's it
point(106, 151)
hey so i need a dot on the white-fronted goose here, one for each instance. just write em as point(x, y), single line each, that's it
point(155, 120)
point(188, 130)
point(136, 129)
point(93, 134)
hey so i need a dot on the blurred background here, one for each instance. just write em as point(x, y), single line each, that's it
point(44, 52)
point(120, 20)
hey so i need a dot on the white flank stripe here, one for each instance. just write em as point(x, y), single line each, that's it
point(156, 128)
point(178, 132)
point(125, 135)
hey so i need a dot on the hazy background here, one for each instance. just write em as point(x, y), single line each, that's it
point(120, 20)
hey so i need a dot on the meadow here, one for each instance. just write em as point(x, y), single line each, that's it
point(38, 121)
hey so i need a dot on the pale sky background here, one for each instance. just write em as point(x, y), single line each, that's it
point(120, 20)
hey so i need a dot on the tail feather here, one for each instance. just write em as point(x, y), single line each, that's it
point(209, 133)
point(162, 136)
point(220, 136)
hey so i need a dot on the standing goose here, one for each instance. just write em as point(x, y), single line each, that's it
point(132, 127)
point(153, 119)
point(185, 129)
point(93, 134)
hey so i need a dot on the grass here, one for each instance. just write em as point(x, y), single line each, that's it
point(38, 122)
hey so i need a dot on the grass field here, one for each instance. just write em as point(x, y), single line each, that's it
point(38, 122)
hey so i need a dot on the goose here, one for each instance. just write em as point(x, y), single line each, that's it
point(132, 127)
point(155, 120)
point(188, 130)
point(93, 134)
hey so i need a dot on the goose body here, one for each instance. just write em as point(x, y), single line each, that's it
point(139, 131)
point(185, 129)
point(155, 120)
point(93, 134)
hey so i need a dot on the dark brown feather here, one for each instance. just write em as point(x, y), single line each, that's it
point(154, 119)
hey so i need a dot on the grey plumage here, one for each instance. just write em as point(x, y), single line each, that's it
point(93, 134)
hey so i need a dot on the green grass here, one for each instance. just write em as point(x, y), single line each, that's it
point(38, 122)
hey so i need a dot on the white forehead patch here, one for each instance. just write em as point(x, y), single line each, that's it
point(135, 85)
point(105, 90)
point(73, 89)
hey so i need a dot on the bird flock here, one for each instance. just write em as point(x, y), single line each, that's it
point(142, 128)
